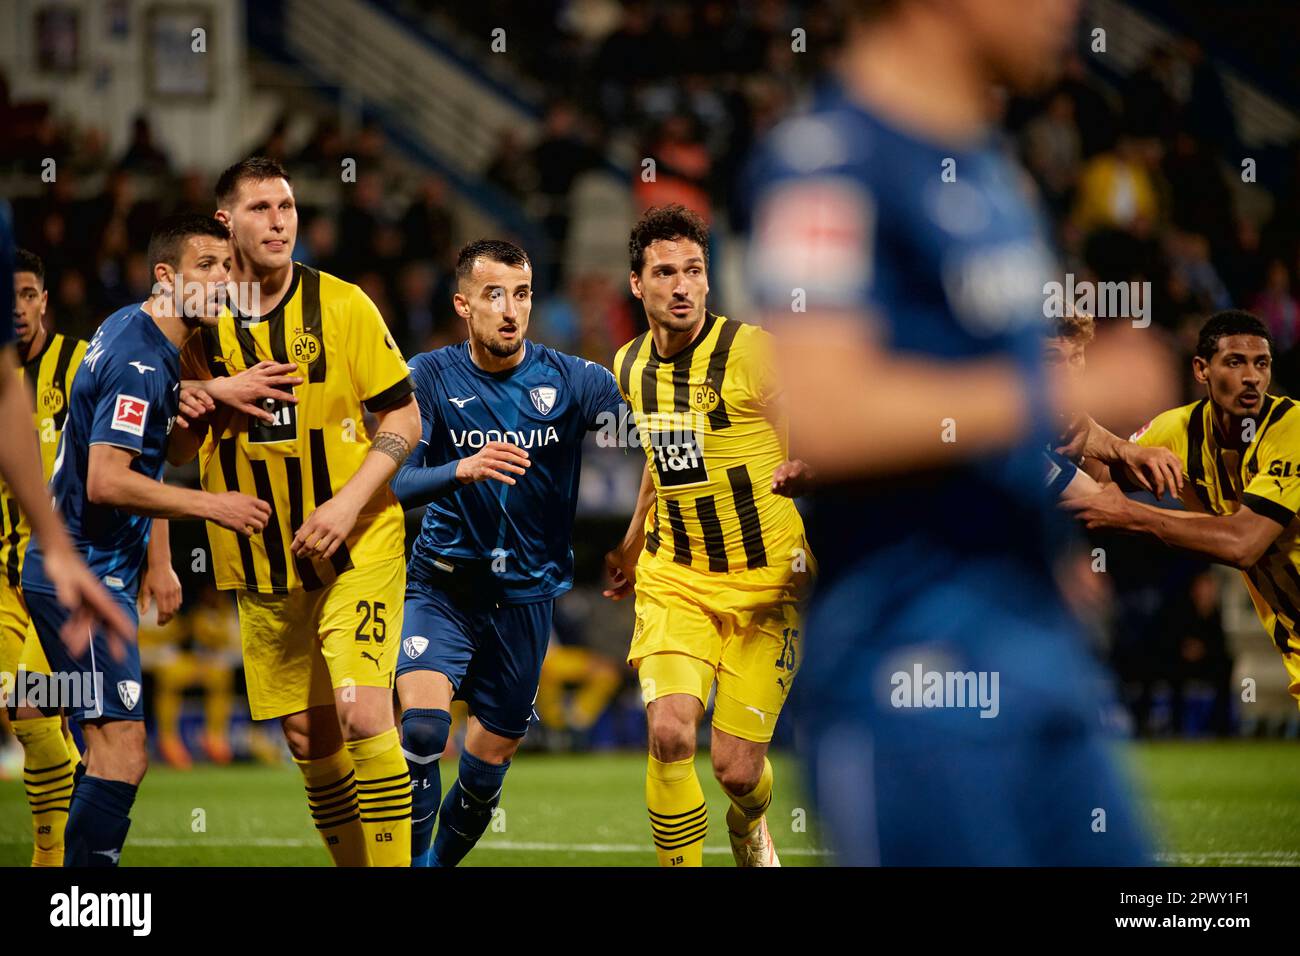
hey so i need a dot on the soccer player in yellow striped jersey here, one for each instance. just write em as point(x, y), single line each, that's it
point(1240, 449)
point(321, 589)
point(48, 362)
point(716, 551)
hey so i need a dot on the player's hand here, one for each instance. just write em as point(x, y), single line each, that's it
point(242, 514)
point(89, 602)
point(792, 478)
point(325, 529)
point(195, 404)
point(497, 460)
point(1156, 469)
point(1075, 439)
point(1108, 508)
point(163, 586)
point(246, 391)
point(620, 565)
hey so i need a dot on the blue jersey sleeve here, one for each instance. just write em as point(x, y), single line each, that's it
point(125, 406)
point(1060, 471)
point(601, 399)
point(420, 481)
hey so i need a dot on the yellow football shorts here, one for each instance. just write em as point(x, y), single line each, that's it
point(20, 649)
point(302, 646)
point(740, 630)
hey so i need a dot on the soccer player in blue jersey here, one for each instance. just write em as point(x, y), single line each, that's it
point(498, 465)
point(77, 588)
point(916, 391)
point(107, 484)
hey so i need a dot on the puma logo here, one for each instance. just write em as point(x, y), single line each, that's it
point(368, 656)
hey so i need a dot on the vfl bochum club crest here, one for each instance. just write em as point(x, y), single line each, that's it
point(415, 646)
point(543, 398)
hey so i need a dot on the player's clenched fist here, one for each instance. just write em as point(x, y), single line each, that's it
point(194, 405)
point(242, 514)
point(497, 459)
point(620, 565)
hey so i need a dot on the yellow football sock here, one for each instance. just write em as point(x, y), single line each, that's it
point(384, 792)
point(745, 811)
point(332, 797)
point(47, 772)
point(679, 817)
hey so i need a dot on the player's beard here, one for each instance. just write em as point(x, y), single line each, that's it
point(498, 348)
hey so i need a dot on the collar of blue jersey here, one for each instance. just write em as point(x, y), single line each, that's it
point(279, 306)
point(836, 96)
point(684, 355)
point(505, 373)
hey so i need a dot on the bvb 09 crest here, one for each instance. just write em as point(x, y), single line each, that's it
point(51, 401)
point(305, 349)
point(704, 397)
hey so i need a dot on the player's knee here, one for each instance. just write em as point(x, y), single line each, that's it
point(737, 777)
point(672, 738)
point(425, 731)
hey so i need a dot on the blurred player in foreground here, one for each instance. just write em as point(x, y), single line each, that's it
point(107, 482)
point(320, 590)
point(1239, 448)
point(720, 568)
point(498, 465)
point(47, 364)
point(948, 701)
point(78, 591)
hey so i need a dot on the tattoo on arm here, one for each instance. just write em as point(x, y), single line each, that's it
point(392, 445)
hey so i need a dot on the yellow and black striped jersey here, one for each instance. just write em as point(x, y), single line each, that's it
point(701, 418)
point(1263, 476)
point(49, 375)
point(349, 364)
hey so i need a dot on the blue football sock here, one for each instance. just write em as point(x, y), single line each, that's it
point(467, 809)
point(424, 738)
point(98, 818)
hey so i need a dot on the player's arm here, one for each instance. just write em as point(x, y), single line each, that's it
point(1238, 540)
point(419, 482)
point(397, 431)
point(159, 581)
point(620, 562)
point(1154, 468)
point(111, 482)
point(859, 409)
point(20, 464)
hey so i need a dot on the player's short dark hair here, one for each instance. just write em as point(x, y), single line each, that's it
point(255, 169)
point(493, 250)
point(170, 234)
point(1230, 322)
point(669, 222)
point(27, 261)
point(1076, 326)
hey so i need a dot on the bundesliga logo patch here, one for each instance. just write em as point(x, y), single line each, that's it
point(415, 646)
point(543, 398)
point(129, 414)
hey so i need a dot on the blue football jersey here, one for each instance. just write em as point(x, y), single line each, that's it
point(125, 394)
point(546, 404)
point(943, 251)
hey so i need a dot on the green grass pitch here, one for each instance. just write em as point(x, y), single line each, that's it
point(1210, 803)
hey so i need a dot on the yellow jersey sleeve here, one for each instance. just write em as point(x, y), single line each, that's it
point(378, 370)
point(1274, 491)
point(1168, 430)
point(755, 369)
